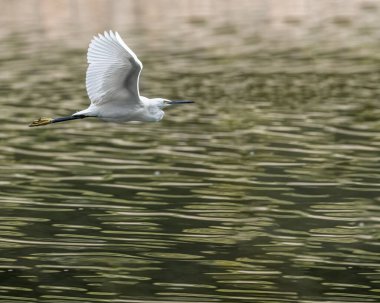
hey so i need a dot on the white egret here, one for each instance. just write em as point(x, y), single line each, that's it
point(112, 84)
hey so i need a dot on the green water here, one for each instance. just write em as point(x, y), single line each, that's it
point(265, 190)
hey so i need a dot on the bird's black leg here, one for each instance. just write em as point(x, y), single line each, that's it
point(45, 121)
point(63, 119)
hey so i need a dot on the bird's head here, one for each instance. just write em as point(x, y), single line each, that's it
point(162, 103)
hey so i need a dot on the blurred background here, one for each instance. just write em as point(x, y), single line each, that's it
point(265, 190)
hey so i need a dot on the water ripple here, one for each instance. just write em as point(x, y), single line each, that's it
point(266, 190)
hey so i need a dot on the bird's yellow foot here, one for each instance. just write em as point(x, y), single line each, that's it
point(41, 121)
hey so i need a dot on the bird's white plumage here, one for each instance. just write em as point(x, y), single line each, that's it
point(112, 83)
point(113, 72)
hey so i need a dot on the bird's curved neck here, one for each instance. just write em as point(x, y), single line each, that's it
point(145, 101)
point(152, 111)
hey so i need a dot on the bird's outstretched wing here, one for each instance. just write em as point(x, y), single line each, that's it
point(113, 72)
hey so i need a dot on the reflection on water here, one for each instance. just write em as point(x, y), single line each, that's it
point(266, 190)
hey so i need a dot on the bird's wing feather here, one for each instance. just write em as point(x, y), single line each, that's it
point(113, 72)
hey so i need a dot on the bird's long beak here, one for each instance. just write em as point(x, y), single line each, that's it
point(171, 102)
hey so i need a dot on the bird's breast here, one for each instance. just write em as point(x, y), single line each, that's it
point(152, 116)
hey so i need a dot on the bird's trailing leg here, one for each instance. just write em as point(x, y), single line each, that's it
point(45, 121)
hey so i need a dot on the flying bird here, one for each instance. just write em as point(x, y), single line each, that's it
point(112, 84)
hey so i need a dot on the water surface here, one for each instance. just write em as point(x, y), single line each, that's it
point(266, 190)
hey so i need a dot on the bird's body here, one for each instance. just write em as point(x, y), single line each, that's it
point(116, 111)
point(112, 83)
